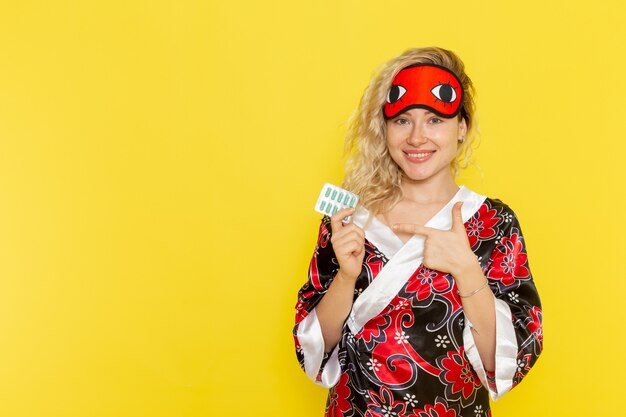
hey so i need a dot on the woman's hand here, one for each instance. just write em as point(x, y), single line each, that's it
point(449, 251)
point(348, 242)
point(445, 250)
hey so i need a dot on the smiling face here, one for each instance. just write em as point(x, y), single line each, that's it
point(424, 145)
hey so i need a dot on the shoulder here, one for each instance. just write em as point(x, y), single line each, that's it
point(496, 213)
point(499, 205)
point(482, 205)
point(502, 215)
point(485, 205)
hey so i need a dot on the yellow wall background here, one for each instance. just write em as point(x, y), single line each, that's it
point(159, 162)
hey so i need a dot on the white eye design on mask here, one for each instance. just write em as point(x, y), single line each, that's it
point(395, 93)
point(444, 92)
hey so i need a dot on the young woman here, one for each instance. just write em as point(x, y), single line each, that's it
point(423, 304)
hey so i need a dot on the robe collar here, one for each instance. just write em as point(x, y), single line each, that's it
point(404, 258)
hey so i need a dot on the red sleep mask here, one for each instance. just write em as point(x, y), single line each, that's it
point(425, 86)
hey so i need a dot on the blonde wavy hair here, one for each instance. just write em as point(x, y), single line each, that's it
point(371, 173)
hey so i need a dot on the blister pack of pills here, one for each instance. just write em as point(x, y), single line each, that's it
point(333, 198)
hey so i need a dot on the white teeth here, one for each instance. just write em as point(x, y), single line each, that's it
point(419, 155)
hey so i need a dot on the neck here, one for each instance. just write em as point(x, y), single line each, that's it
point(429, 191)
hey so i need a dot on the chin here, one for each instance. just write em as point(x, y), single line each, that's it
point(426, 175)
point(416, 177)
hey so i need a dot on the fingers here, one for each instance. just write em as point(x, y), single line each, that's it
point(457, 224)
point(348, 247)
point(345, 232)
point(457, 217)
point(415, 229)
point(336, 219)
point(349, 232)
point(348, 242)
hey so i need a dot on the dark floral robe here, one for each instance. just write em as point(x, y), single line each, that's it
point(407, 350)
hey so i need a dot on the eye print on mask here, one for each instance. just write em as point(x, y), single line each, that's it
point(395, 93)
point(445, 93)
point(424, 86)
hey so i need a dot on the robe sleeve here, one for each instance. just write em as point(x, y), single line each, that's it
point(519, 336)
point(323, 368)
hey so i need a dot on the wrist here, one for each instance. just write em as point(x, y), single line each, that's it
point(345, 279)
point(469, 277)
point(467, 268)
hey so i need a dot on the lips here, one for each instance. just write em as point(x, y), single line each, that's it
point(418, 156)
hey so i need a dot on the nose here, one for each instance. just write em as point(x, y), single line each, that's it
point(417, 136)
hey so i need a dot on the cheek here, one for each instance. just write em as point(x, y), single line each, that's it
point(447, 137)
point(397, 134)
point(392, 142)
point(443, 130)
point(394, 152)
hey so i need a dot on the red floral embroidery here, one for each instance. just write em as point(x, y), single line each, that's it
point(523, 366)
point(509, 261)
point(324, 236)
point(459, 375)
point(375, 329)
point(535, 325)
point(436, 410)
point(383, 404)
point(424, 281)
point(482, 225)
point(338, 403)
point(374, 260)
